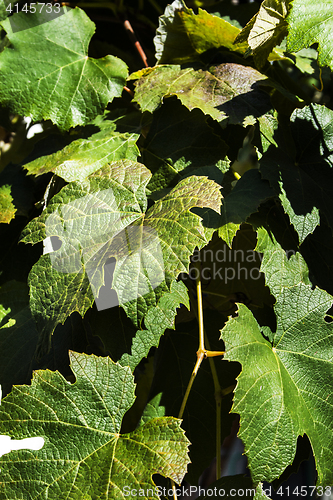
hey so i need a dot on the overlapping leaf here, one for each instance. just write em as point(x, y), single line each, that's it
point(156, 321)
point(178, 142)
point(84, 453)
point(266, 29)
point(241, 202)
point(84, 156)
point(225, 91)
point(122, 341)
point(183, 36)
point(309, 22)
point(285, 388)
point(7, 208)
point(283, 269)
point(105, 217)
point(56, 79)
point(300, 168)
point(85, 217)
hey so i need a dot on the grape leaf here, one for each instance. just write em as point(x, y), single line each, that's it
point(179, 141)
point(84, 453)
point(266, 29)
point(285, 388)
point(84, 156)
point(183, 36)
point(156, 321)
point(300, 168)
point(153, 409)
point(241, 202)
point(122, 341)
point(105, 217)
point(304, 224)
point(7, 208)
point(56, 79)
point(225, 91)
point(228, 231)
point(170, 33)
point(282, 269)
point(309, 22)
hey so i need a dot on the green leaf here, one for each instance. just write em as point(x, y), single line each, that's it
point(179, 141)
point(227, 232)
point(283, 269)
point(304, 224)
point(183, 36)
point(309, 22)
point(84, 156)
point(7, 208)
point(170, 33)
point(241, 202)
point(285, 387)
point(20, 188)
point(173, 209)
point(266, 29)
point(153, 409)
point(225, 91)
point(3, 13)
point(84, 453)
point(68, 280)
point(268, 125)
point(114, 199)
point(157, 320)
point(300, 167)
point(305, 60)
point(56, 79)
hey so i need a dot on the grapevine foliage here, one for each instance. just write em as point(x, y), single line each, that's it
point(198, 182)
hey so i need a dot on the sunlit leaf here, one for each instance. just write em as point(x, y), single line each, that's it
point(309, 22)
point(84, 453)
point(56, 79)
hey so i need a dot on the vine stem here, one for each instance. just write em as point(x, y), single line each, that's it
point(131, 93)
point(203, 353)
point(135, 41)
point(218, 400)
